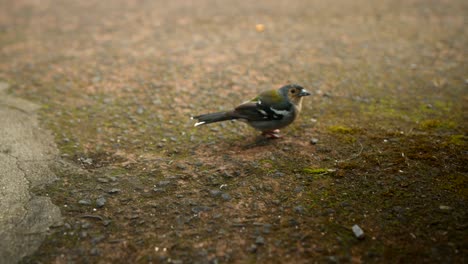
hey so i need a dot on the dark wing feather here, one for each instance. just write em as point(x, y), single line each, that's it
point(255, 111)
point(251, 112)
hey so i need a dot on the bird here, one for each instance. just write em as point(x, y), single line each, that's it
point(267, 112)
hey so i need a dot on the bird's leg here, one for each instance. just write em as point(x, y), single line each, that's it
point(273, 134)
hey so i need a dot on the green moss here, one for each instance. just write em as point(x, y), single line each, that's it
point(316, 171)
point(435, 123)
point(458, 140)
point(341, 129)
point(456, 183)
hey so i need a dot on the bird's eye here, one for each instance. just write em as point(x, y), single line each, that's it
point(293, 91)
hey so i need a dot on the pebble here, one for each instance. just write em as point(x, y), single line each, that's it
point(358, 232)
point(226, 196)
point(102, 180)
point(278, 174)
point(100, 202)
point(314, 141)
point(215, 193)
point(299, 189)
point(445, 207)
point(158, 190)
point(140, 110)
point(260, 240)
point(114, 191)
point(163, 183)
point(97, 239)
point(266, 228)
point(198, 209)
point(85, 202)
point(299, 209)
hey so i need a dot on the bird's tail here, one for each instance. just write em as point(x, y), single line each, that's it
point(213, 117)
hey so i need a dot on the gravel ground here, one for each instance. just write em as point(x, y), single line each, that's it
point(373, 171)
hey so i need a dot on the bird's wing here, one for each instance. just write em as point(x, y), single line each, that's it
point(251, 112)
point(256, 111)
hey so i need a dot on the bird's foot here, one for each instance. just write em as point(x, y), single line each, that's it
point(274, 134)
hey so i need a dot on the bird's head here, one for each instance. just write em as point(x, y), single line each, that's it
point(294, 93)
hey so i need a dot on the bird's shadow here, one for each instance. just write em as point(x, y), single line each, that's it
point(259, 141)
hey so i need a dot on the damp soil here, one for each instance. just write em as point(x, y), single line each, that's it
point(380, 144)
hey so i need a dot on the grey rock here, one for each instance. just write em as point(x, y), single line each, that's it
point(103, 180)
point(215, 193)
point(163, 183)
point(84, 202)
point(266, 229)
point(114, 191)
point(198, 209)
point(226, 196)
point(358, 232)
point(100, 202)
point(158, 190)
point(140, 110)
point(260, 240)
point(299, 209)
point(278, 174)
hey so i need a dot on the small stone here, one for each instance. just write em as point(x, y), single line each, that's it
point(260, 240)
point(345, 204)
point(84, 202)
point(293, 222)
point(299, 189)
point(445, 207)
point(314, 141)
point(358, 232)
point(88, 161)
point(226, 196)
point(278, 174)
point(215, 193)
point(97, 239)
point(100, 202)
point(299, 209)
point(198, 209)
point(163, 183)
point(102, 180)
point(140, 110)
point(114, 191)
point(85, 225)
point(266, 229)
point(158, 190)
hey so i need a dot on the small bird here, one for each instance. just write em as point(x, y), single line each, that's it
point(268, 112)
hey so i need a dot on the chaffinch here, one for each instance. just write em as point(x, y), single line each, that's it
point(268, 112)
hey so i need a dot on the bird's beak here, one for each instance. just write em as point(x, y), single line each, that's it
point(304, 92)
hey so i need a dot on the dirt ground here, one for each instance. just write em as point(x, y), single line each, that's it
point(381, 143)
